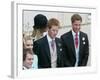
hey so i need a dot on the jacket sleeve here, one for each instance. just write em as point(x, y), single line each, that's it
point(66, 62)
point(36, 47)
point(86, 52)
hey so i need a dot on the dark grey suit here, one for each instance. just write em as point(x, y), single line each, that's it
point(69, 55)
point(42, 50)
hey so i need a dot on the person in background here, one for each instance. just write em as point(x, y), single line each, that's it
point(27, 59)
point(28, 44)
point(75, 44)
point(48, 48)
point(40, 26)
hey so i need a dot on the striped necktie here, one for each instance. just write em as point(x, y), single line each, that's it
point(52, 44)
point(76, 40)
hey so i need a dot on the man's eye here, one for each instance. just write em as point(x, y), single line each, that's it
point(30, 59)
point(28, 45)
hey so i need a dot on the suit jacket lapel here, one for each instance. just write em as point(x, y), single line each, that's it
point(57, 46)
point(46, 44)
point(71, 42)
point(80, 46)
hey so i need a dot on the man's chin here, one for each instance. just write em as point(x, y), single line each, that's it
point(76, 31)
point(29, 67)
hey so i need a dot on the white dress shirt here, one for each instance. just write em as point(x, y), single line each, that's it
point(52, 53)
point(76, 49)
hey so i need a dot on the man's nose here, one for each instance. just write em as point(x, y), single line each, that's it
point(31, 61)
point(56, 32)
point(77, 27)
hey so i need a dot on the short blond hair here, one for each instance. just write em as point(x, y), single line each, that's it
point(27, 38)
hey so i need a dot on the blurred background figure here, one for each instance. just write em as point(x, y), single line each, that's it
point(27, 42)
point(40, 26)
point(27, 59)
point(28, 45)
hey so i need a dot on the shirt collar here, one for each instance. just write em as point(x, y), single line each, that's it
point(73, 33)
point(45, 33)
point(49, 38)
point(24, 68)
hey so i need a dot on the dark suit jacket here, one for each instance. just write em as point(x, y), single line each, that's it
point(41, 49)
point(69, 49)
